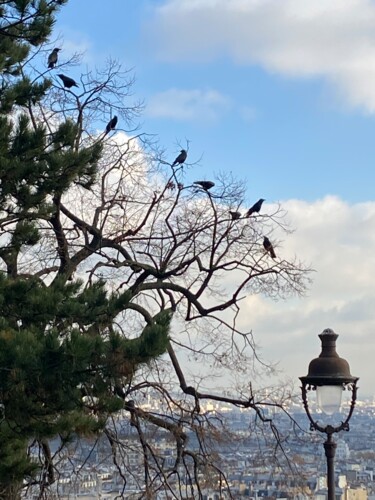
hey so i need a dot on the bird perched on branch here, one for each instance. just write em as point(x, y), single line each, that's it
point(67, 81)
point(256, 207)
point(235, 215)
point(268, 247)
point(181, 158)
point(206, 185)
point(111, 125)
point(52, 58)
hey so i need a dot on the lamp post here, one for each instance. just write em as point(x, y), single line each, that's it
point(329, 375)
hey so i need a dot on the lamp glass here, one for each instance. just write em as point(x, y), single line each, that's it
point(329, 398)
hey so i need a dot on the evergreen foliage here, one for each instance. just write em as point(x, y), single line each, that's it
point(60, 354)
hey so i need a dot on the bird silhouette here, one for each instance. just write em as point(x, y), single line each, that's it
point(181, 158)
point(235, 215)
point(255, 208)
point(67, 81)
point(268, 247)
point(111, 125)
point(206, 185)
point(52, 58)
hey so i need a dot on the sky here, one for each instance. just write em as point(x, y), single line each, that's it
point(282, 94)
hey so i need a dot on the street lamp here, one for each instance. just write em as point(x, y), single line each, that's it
point(329, 375)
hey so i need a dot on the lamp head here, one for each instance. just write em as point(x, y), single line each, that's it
point(328, 369)
point(328, 375)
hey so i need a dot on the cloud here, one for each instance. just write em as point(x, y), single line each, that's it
point(297, 38)
point(75, 43)
point(188, 105)
point(338, 240)
point(248, 113)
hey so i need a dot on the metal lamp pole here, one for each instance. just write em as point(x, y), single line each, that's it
point(330, 451)
point(329, 375)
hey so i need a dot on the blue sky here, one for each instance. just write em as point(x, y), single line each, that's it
point(290, 136)
point(282, 94)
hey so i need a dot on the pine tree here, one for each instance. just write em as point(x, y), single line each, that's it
point(62, 361)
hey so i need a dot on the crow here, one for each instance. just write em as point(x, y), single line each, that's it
point(268, 247)
point(235, 215)
point(180, 158)
point(111, 125)
point(256, 207)
point(52, 58)
point(206, 185)
point(67, 81)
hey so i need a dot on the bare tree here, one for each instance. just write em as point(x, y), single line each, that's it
point(130, 222)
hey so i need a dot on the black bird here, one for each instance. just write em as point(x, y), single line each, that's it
point(181, 158)
point(256, 207)
point(52, 58)
point(206, 185)
point(67, 81)
point(235, 215)
point(111, 125)
point(268, 247)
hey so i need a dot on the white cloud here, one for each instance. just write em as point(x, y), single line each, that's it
point(248, 113)
point(73, 42)
point(298, 38)
point(338, 240)
point(188, 105)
